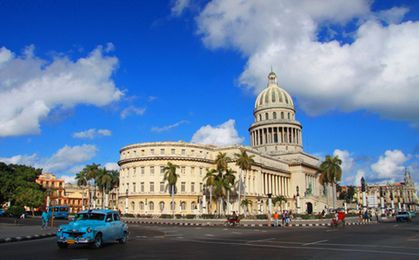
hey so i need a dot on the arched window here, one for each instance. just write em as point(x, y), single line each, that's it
point(151, 206)
point(260, 117)
point(173, 207)
point(161, 204)
point(183, 205)
point(274, 115)
point(141, 205)
point(193, 205)
point(266, 116)
point(132, 205)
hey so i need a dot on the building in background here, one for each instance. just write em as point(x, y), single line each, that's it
point(281, 167)
point(54, 188)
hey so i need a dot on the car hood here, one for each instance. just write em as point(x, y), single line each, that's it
point(82, 224)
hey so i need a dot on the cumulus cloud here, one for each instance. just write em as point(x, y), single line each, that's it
point(168, 127)
point(92, 133)
point(132, 110)
point(358, 176)
point(111, 166)
point(68, 178)
point(30, 87)
point(376, 70)
point(347, 160)
point(390, 166)
point(221, 135)
point(65, 158)
point(179, 6)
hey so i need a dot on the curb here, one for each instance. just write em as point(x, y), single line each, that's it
point(25, 238)
point(208, 224)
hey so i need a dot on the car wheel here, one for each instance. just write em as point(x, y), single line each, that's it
point(124, 238)
point(62, 245)
point(98, 241)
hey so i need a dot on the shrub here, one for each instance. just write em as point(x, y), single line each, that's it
point(178, 216)
point(144, 216)
point(261, 216)
point(15, 211)
point(190, 216)
point(129, 215)
point(208, 216)
point(166, 216)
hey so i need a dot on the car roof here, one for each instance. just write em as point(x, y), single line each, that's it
point(100, 211)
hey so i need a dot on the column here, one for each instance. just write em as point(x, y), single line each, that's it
point(282, 135)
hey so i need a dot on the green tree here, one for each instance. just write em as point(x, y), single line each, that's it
point(171, 177)
point(245, 162)
point(29, 196)
point(221, 161)
point(91, 172)
point(331, 172)
point(209, 179)
point(104, 181)
point(279, 200)
point(245, 203)
point(82, 183)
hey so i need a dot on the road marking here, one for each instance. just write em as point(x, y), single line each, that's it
point(316, 242)
point(396, 225)
point(209, 235)
point(261, 240)
point(141, 236)
point(238, 233)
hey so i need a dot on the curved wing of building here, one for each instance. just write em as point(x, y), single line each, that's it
point(281, 168)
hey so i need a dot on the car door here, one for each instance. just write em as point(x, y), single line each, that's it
point(109, 230)
point(119, 226)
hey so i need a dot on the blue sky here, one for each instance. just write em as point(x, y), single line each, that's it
point(81, 79)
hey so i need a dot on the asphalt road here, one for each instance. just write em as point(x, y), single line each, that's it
point(382, 241)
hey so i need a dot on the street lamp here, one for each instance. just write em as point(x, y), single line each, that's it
point(126, 201)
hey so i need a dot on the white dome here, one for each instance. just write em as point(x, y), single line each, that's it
point(273, 96)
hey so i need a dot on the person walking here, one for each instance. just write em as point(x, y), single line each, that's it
point(276, 219)
point(44, 218)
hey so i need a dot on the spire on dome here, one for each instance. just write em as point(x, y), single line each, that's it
point(272, 78)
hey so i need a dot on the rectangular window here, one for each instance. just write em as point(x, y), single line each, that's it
point(142, 187)
point(182, 170)
point(142, 170)
point(162, 169)
point(183, 151)
point(200, 171)
point(128, 187)
point(201, 188)
point(161, 186)
point(192, 186)
point(182, 186)
point(161, 151)
point(134, 187)
point(151, 170)
point(152, 151)
point(173, 151)
point(142, 152)
point(151, 186)
point(192, 170)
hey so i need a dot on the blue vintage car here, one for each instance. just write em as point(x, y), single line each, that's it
point(93, 227)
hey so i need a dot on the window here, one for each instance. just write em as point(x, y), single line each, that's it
point(128, 187)
point(274, 115)
point(116, 217)
point(182, 169)
point(142, 152)
point(132, 206)
point(151, 206)
point(282, 115)
point(192, 170)
point(192, 152)
point(192, 186)
point(201, 188)
point(152, 151)
point(161, 186)
point(161, 151)
point(260, 117)
point(289, 117)
point(142, 186)
point(193, 205)
point(141, 205)
point(183, 205)
point(183, 151)
point(173, 205)
point(200, 171)
point(161, 205)
point(152, 170)
point(173, 151)
point(134, 187)
point(142, 170)
point(266, 116)
point(161, 169)
point(151, 186)
point(182, 187)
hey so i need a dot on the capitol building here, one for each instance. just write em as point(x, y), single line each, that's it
point(281, 167)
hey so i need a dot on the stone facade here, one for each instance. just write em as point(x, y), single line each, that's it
point(281, 167)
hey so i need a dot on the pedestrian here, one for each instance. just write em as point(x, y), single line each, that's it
point(284, 216)
point(276, 219)
point(44, 218)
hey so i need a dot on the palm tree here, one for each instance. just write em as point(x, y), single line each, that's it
point(245, 162)
point(104, 181)
point(82, 183)
point(222, 161)
point(245, 203)
point(171, 177)
point(229, 177)
point(209, 179)
point(331, 172)
point(115, 182)
point(279, 199)
point(90, 172)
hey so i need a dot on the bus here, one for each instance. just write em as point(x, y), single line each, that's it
point(59, 212)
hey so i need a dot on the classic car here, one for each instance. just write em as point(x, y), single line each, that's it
point(403, 216)
point(93, 227)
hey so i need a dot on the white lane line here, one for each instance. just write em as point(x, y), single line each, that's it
point(141, 236)
point(261, 240)
point(306, 248)
point(316, 242)
point(209, 235)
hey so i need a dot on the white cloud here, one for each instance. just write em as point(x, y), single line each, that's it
point(111, 166)
point(179, 6)
point(221, 135)
point(64, 159)
point(132, 110)
point(30, 87)
point(168, 127)
point(358, 176)
point(347, 160)
point(68, 178)
point(393, 15)
point(92, 133)
point(377, 71)
point(390, 166)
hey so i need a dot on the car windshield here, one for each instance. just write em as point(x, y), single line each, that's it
point(89, 216)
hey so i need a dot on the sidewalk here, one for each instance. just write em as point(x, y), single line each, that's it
point(13, 233)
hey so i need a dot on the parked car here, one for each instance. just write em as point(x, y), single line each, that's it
point(93, 227)
point(403, 216)
point(2, 212)
point(412, 214)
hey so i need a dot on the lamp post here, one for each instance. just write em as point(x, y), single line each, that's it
point(364, 198)
point(298, 200)
point(126, 201)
